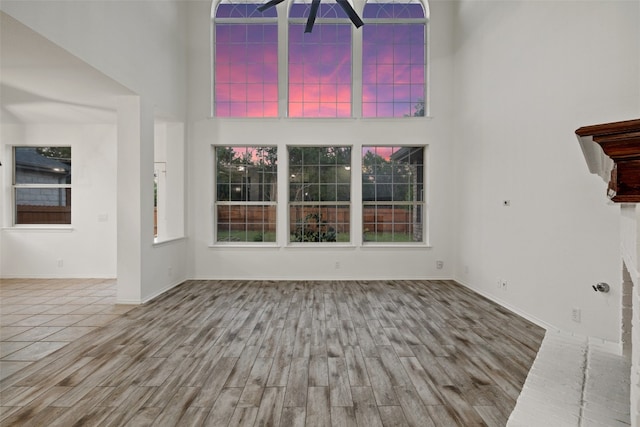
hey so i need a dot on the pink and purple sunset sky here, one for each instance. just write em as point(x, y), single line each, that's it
point(393, 83)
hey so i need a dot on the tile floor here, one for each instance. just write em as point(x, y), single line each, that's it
point(39, 316)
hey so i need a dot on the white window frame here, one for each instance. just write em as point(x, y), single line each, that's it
point(15, 187)
point(348, 203)
point(217, 203)
point(422, 203)
point(256, 20)
point(425, 21)
point(283, 21)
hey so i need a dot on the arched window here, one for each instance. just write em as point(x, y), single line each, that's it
point(393, 58)
point(246, 60)
point(319, 62)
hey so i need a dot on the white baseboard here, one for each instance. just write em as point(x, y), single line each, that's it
point(55, 276)
point(150, 297)
point(162, 291)
point(128, 302)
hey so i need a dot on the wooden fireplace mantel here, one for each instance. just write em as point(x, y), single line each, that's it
point(612, 150)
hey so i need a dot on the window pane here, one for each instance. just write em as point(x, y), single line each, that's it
point(246, 66)
point(407, 9)
point(392, 193)
point(392, 173)
point(244, 176)
point(243, 10)
point(319, 223)
point(253, 223)
point(319, 66)
point(49, 167)
point(392, 223)
point(42, 165)
point(326, 10)
point(246, 173)
point(319, 180)
point(319, 174)
point(393, 63)
point(43, 205)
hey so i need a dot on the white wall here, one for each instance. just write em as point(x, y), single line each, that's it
point(140, 44)
point(527, 74)
point(169, 150)
point(284, 262)
point(145, 269)
point(88, 248)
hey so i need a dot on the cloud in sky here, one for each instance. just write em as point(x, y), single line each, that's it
point(320, 71)
point(246, 68)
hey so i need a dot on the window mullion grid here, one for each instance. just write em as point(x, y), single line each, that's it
point(413, 205)
point(245, 20)
point(320, 21)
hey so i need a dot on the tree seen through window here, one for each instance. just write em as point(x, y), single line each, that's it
point(246, 193)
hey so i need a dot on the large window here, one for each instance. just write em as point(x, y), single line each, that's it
point(319, 194)
point(246, 61)
point(393, 194)
point(319, 62)
point(393, 59)
point(246, 186)
point(335, 70)
point(42, 185)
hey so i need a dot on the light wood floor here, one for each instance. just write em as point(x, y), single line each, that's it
point(257, 353)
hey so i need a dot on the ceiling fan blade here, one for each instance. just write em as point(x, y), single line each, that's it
point(269, 4)
point(351, 13)
point(315, 4)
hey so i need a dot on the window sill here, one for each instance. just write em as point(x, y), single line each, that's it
point(371, 245)
point(48, 228)
point(167, 241)
point(312, 245)
point(243, 245)
point(342, 119)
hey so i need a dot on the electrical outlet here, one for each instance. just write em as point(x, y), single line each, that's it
point(60, 263)
point(576, 315)
point(337, 265)
point(439, 265)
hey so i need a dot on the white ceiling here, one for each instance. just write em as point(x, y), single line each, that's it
point(42, 83)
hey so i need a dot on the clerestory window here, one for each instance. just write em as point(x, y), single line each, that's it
point(319, 62)
point(326, 75)
point(393, 59)
point(246, 61)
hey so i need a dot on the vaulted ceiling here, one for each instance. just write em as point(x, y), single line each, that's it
point(42, 83)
